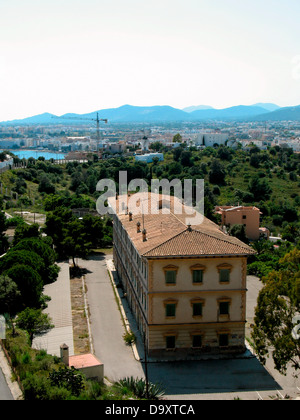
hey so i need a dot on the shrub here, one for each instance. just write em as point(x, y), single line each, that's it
point(139, 389)
point(129, 338)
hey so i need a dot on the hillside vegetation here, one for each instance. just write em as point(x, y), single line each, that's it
point(268, 179)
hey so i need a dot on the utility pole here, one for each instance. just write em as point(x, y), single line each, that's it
point(146, 367)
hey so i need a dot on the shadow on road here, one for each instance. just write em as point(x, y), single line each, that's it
point(212, 376)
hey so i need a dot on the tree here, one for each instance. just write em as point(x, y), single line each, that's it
point(56, 222)
point(70, 379)
point(29, 258)
point(225, 153)
point(260, 188)
point(186, 159)
point(9, 296)
point(98, 232)
point(45, 185)
point(75, 242)
point(3, 238)
point(277, 306)
point(35, 322)
point(43, 248)
point(29, 283)
point(217, 173)
point(177, 138)
point(239, 232)
point(255, 160)
point(24, 231)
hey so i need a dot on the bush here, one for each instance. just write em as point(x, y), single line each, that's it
point(129, 338)
point(139, 389)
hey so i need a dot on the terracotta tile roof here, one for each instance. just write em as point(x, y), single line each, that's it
point(84, 361)
point(169, 235)
point(196, 243)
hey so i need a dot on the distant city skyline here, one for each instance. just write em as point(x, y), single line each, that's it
point(79, 56)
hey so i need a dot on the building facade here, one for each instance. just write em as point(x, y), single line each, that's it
point(249, 217)
point(210, 139)
point(186, 286)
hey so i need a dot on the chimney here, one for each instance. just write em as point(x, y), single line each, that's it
point(138, 227)
point(64, 354)
point(189, 228)
point(130, 217)
point(144, 235)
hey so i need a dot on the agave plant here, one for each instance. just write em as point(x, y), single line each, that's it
point(139, 389)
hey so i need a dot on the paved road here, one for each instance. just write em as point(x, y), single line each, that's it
point(106, 323)
point(60, 310)
point(5, 393)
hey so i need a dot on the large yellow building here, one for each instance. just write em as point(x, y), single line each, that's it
point(186, 285)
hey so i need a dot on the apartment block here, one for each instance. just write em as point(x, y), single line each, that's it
point(185, 284)
point(247, 216)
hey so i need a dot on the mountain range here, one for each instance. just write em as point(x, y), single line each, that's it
point(129, 113)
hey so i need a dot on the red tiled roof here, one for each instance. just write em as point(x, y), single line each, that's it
point(168, 234)
point(83, 361)
point(196, 243)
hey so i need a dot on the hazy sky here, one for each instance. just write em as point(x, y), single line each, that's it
point(78, 56)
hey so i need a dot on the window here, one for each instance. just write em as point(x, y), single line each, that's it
point(170, 274)
point(224, 273)
point(197, 341)
point(224, 308)
point(170, 310)
point(244, 217)
point(197, 276)
point(223, 340)
point(197, 309)
point(197, 273)
point(171, 277)
point(170, 342)
point(224, 276)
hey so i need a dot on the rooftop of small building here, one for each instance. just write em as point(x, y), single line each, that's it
point(236, 208)
point(84, 361)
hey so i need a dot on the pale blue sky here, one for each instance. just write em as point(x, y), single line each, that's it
point(82, 55)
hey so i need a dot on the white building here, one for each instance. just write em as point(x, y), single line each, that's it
point(149, 157)
point(9, 161)
point(210, 139)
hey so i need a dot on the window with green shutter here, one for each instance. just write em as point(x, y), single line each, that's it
point(170, 310)
point(224, 276)
point(197, 309)
point(224, 308)
point(171, 277)
point(197, 276)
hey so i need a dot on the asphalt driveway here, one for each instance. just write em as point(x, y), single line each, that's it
point(5, 394)
point(106, 323)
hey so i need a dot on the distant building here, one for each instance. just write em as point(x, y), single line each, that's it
point(149, 157)
point(241, 215)
point(7, 163)
point(10, 144)
point(114, 148)
point(210, 139)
